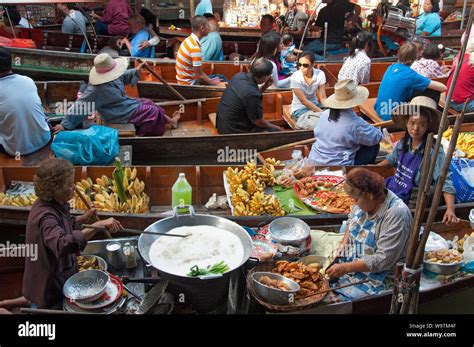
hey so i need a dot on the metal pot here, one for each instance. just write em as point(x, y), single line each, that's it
point(204, 294)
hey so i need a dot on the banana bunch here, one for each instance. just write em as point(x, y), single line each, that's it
point(247, 188)
point(464, 143)
point(17, 200)
point(103, 194)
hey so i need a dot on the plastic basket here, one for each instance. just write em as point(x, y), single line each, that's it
point(464, 191)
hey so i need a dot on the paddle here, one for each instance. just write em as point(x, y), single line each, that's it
point(86, 203)
point(335, 288)
point(174, 91)
point(132, 231)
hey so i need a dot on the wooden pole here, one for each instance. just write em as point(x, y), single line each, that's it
point(191, 9)
point(86, 203)
point(172, 90)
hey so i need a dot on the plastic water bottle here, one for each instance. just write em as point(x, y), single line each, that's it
point(182, 192)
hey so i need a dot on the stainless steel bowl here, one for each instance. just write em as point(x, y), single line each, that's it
point(289, 231)
point(86, 286)
point(443, 269)
point(275, 296)
point(100, 261)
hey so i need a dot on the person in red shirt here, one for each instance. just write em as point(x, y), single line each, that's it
point(464, 88)
point(114, 22)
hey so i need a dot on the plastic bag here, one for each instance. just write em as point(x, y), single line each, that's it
point(97, 145)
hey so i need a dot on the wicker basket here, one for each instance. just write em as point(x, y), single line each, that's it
point(298, 304)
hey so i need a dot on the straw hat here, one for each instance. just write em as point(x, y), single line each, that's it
point(107, 69)
point(347, 95)
point(413, 108)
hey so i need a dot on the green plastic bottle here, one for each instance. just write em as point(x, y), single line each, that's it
point(182, 192)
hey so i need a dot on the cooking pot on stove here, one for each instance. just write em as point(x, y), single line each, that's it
point(207, 293)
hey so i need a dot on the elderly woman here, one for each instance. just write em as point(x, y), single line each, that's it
point(57, 234)
point(419, 117)
point(376, 235)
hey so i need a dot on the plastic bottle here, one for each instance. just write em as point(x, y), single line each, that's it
point(130, 257)
point(182, 192)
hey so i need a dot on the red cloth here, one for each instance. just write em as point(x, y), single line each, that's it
point(464, 89)
point(149, 119)
point(5, 33)
point(116, 16)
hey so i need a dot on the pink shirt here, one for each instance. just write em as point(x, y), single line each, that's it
point(464, 88)
point(116, 16)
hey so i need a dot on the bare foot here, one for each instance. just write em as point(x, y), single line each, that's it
point(174, 119)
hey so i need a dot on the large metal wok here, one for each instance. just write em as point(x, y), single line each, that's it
point(205, 294)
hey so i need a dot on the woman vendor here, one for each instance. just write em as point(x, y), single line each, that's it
point(376, 236)
point(106, 91)
point(419, 117)
point(57, 234)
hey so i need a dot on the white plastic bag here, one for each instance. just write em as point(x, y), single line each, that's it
point(468, 247)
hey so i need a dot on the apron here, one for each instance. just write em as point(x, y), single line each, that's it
point(402, 183)
point(362, 242)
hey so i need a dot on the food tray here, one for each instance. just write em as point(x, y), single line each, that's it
point(311, 201)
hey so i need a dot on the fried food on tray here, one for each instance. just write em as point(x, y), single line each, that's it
point(444, 256)
point(336, 202)
point(274, 283)
point(308, 277)
point(310, 185)
point(86, 263)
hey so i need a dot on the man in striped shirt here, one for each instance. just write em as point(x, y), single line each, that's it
point(189, 58)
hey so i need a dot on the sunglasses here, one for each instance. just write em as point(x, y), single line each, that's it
point(303, 65)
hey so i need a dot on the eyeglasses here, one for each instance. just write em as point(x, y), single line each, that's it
point(303, 65)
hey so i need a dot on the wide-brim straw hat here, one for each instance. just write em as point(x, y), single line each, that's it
point(347, 95)
point(107, 69)
point(401, 113)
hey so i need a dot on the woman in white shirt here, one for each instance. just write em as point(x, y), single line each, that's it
point(306, 82)
point(267, 48)
point(356, 67)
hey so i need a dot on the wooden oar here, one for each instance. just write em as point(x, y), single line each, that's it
point(132, 231)
point(174, 91)
point(335, 288)
point(86, 203)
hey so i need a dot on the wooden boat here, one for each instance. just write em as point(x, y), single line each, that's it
point(52, 65)
point(206, 180)
point(284, 154)
point(195, 141)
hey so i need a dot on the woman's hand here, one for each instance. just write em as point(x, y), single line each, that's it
point(86, 218)
point(57, 128)
point(337, 270)
point(143, 45)
point(110, 224)
point(450, 217)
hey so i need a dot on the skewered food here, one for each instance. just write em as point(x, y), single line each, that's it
point(308, 277)
point(444, 256)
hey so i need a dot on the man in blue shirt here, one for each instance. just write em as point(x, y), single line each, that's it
point(429, 23)
point(400, 83)
point(139, 34)
point(23, 125)
point(211, 45)
point(205, 6)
